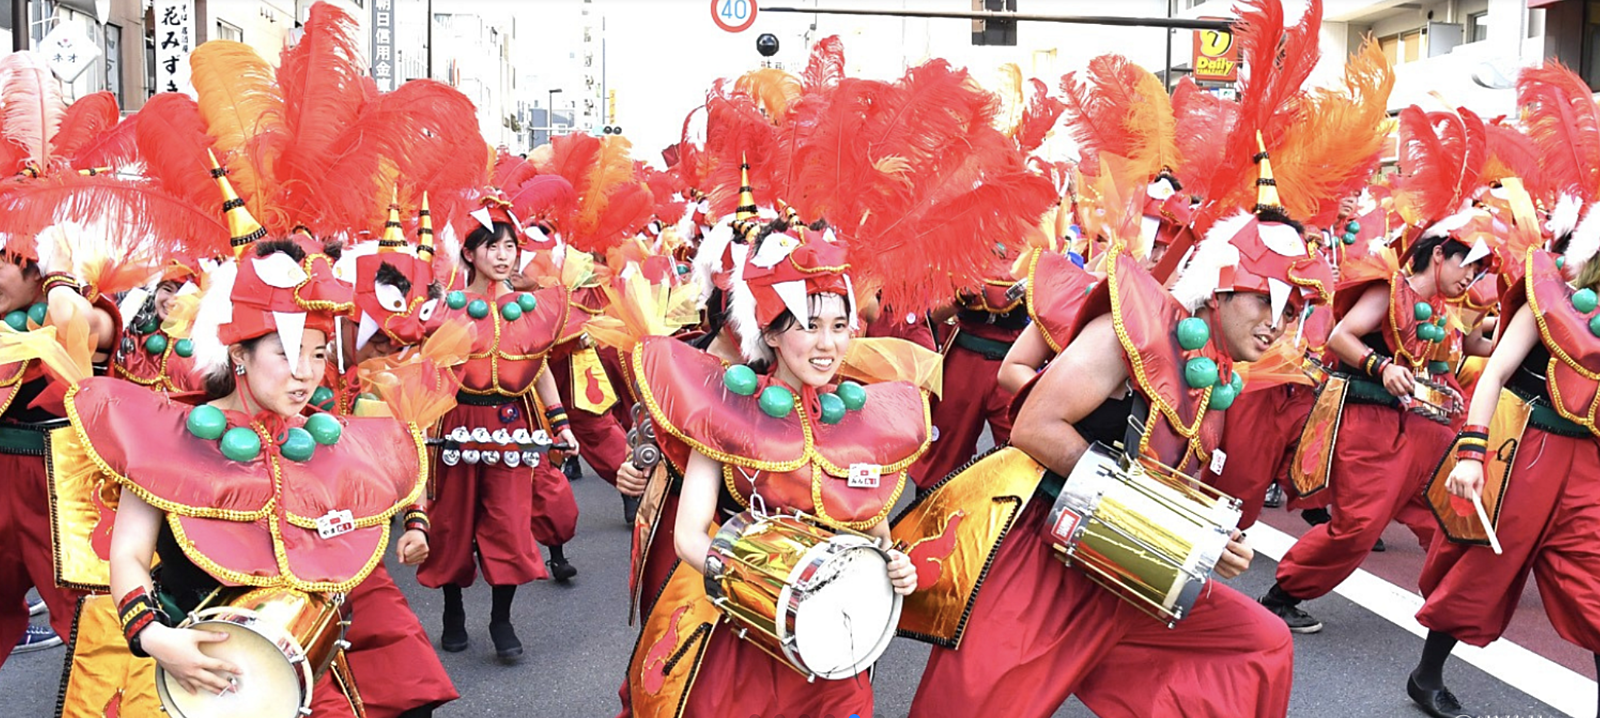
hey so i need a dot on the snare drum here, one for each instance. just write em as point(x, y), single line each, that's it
point(814, 598)
point(1148, 533)
point(280, 639)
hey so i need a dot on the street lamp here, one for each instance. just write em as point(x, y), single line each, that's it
point(552, 109)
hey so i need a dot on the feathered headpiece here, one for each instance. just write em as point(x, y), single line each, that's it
point(787, 263)
point(1563, 123)
point(1259, 251)
point(1441, 163)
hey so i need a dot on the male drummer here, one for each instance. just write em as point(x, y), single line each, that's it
point(1162, 362)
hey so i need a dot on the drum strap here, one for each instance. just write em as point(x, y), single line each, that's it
point(1138, 415)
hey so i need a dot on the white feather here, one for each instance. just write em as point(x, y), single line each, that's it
point(708, 258)
point(1564, 218)
point(1204, 269)
point(742, 319)
point(1585, 240)
point(215, 310)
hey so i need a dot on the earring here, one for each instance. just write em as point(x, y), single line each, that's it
point(238, 370)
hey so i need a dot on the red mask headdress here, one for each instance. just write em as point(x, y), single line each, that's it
point(393, 283)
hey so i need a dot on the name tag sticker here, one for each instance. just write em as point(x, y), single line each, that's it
point(1218, 460)
point(865, 476)
point(335, 523)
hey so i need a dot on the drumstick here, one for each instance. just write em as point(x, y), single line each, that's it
point(1483, 517)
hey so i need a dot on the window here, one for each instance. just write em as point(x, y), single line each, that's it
point(1477, 26)
point(1405, 47)
point(226, 31)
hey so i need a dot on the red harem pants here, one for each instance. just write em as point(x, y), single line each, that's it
point(601, 440)
point(738, 679)
point(1259, 438)
point(1548, 525)
point(392, 659)
point(1383, 459)
point(972, 395)
point(26, 561)
point(494, 512)
point(1041, 631)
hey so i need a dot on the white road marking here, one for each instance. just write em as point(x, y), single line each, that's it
point(1554, 684)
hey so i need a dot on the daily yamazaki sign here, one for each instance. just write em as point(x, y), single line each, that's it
point(1216, 56)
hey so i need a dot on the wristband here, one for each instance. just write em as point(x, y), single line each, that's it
point(60, 279)
point(1465, 453)
point(137, 611)
point(416, 518)
point(556, 414)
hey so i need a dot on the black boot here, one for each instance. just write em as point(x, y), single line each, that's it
point(506, 646)
point(560, 570)
point(1316, 517)
point(454, 637)
point(1287, 607)
point(630, 508)
point(572, 468)
point(418, 712)
point(1425, 685)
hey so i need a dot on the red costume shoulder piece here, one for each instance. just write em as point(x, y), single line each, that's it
point(1400, 329)
point(1574, 371)
point(794, 462)
point(164, 371)
point(1057, 290)
point(253, 523)
point(994, 297)
point(1180, 432)
point(508, 355)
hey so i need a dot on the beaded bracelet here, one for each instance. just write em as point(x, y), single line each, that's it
point(137, 611)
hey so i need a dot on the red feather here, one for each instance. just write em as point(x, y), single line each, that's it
point(1441, 158)
point(667, 191)
point(85, 121)
point(324, 91)
point(510, 170)
point(542, 197)
point(736, 130)
point(135, 214)
point(1202, 120)
point(1514, 154)
point(115, 147)
point(32, 108)
point(172, 144)
point(1039, 118)
point(1562, 120)
point(1277, 58)
point(826, 67)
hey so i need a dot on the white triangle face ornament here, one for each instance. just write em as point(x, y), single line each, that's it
point(793, 295)
point(291, 330)
point(366, 330)
point(482, 215)
point(1480, 250)
point(850, 291)
point(1160, 190)
point(1282, 238)
point(1279, 291)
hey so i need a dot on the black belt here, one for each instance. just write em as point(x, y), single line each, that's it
point(485, 399)
point(27, 439)
point(1544, 417)
point(991, 349)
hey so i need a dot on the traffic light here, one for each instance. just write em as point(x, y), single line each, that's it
point(611, 130)
point(994, 32)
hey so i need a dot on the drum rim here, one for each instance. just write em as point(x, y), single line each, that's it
point(210, 615)
point(786, 603)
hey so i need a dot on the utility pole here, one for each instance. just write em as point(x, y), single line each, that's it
point(21, 28)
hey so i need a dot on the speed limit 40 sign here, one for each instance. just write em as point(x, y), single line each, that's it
point(734, 15)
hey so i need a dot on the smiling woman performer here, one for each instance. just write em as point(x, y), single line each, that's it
point(248, 505)
point(792, 438)
point(485, 491)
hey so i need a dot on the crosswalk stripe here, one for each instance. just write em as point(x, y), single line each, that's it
point(1543, 679)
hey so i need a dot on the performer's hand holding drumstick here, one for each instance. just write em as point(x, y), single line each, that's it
point(412, 548)
point(1236, 559)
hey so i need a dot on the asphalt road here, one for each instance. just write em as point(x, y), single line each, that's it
point(578, 641)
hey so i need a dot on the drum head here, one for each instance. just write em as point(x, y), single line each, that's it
point(268, 685)
point(848, 618)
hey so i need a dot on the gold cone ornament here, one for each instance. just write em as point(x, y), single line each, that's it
point(424, 230)
point(393, 237)
point(243, 228)
point(1266, 184)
